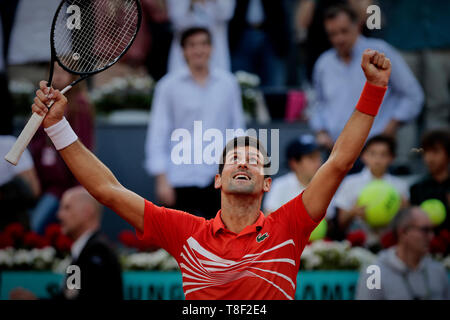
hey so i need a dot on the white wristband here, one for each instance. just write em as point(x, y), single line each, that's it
point(61, 134)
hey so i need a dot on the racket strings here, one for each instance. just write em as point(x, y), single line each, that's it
point(106, 55)
point(107, 28)
point(97, 59)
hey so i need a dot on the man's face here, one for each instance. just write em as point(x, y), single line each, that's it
point(418, 235)
point(342, 33)
point(436, 159)
point(308, 165)
point(197, 50)
point(243, 172)
point(377, 158)
point(70, 214)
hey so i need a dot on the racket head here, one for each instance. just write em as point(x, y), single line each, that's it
point(89, 36)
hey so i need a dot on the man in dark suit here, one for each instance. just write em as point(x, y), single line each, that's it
point(100, 272)
point(259, 37)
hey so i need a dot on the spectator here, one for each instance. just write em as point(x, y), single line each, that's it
point(436, 185)
point(29, 47)
point(415, 28)
point(151, 46)
point(407, 272)
point(210, 14)
point(310, 23)
point(377, 155)
point(260, 40)
point(304, 159)
point(337, 80)
point(101, 275)
point(199, 93)
point(19, 186)
point(54, 176)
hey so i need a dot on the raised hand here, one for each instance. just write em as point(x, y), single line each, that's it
point(376, 67)
point(43, 98)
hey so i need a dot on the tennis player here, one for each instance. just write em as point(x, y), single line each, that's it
point(240, 254)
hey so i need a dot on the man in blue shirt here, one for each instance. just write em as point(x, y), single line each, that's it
point(338, 79)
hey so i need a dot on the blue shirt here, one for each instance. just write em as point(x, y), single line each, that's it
point(338, 86)
point(178, 102)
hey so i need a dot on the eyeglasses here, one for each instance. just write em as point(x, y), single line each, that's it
point(424, 229)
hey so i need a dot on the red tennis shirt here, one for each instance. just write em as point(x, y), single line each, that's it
point(261, 262)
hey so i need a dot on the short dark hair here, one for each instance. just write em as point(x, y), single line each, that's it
point(300, 147)
point(403, 219)
point(334, 11)
point(244, 141)
point(191, 31)
point(437, 137)
point(389, 141)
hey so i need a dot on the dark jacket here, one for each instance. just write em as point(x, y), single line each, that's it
point(101, 274)
point(276, 25)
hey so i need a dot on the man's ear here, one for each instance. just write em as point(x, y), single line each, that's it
point(267, 184)
point(218, 181)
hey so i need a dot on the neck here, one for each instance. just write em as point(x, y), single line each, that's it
point(303, 179)
point(410, 258)
point(239, 211)
point(376, 174)
point(199, 73)
point(83, 231)
point(440, 176)
point(346, 57)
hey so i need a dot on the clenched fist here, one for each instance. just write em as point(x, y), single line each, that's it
point(43, 98)
point(376, 67)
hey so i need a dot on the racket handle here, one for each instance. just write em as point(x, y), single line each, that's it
point(24, 139)
point(63, 91)
point(27, 134)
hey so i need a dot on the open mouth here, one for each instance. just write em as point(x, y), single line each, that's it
point(241, 176)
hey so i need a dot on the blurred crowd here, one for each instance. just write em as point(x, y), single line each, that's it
point(192, 48)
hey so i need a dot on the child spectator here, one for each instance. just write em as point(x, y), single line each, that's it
point(377, 155)
point(436, 184)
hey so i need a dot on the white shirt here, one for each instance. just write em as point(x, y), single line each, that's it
point(30, 35)
point(284, 189)
point(214, 15)
point(178, 101)
point(7, 170)
point(79, 244)
point(348, 193)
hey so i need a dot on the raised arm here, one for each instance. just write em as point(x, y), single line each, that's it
point(87, 168)
point(320, 191)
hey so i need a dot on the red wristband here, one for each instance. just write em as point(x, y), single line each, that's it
point(371, 99)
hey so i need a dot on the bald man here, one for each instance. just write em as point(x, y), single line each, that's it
point(101, 275)
point(407, 272)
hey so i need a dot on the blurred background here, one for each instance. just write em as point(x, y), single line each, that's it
point(297, 66)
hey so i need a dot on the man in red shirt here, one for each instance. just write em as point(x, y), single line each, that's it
point(240, 254)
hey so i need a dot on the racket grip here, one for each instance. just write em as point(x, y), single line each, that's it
point(13, 156)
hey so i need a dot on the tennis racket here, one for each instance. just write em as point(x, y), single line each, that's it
point(87, 37)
